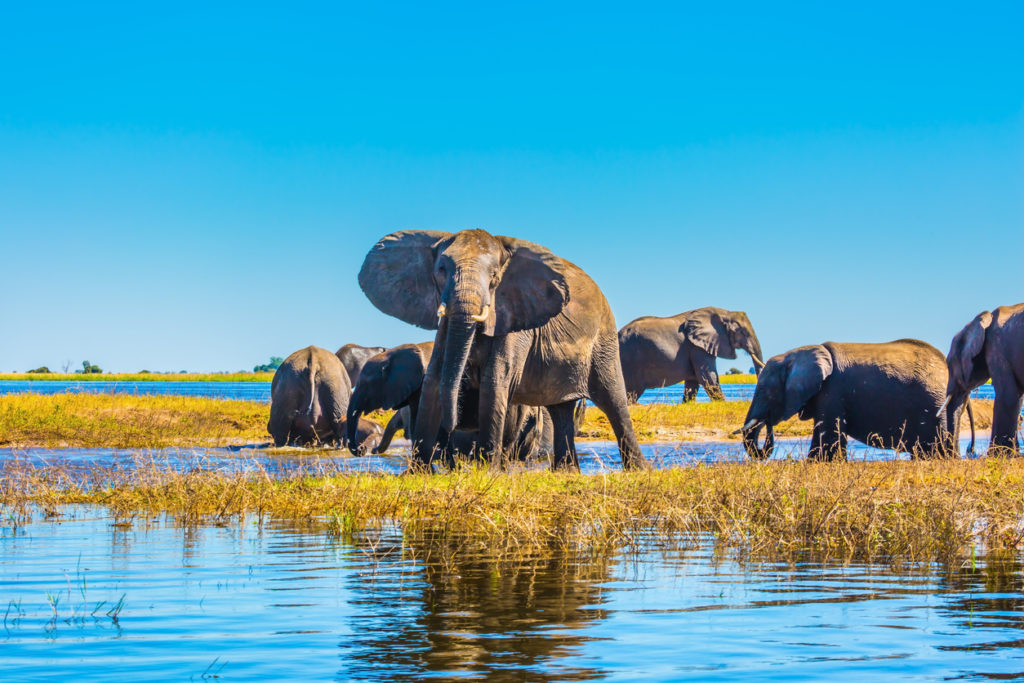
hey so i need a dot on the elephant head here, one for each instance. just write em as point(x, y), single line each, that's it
point(387, 381)
point(968, 370)
point(785, 386)
point(720, 333)
point(463, 284)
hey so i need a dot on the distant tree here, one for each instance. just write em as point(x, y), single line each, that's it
point(144, 372)
point(41, 370)
point(750, 371)
point(89, 369)
point(274, 364)
point(734, 371)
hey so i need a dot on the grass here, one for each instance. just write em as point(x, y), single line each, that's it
point(900, 511)
point(130, 421)
point(140, 377)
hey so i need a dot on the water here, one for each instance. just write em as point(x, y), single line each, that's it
point(89, 465)
point(243, 602)
point(260, 391)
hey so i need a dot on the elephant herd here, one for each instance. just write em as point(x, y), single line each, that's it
point(523, 336)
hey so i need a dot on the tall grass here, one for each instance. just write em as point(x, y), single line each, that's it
point(898, 511)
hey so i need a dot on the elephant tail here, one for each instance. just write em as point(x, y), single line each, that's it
point(312, 385)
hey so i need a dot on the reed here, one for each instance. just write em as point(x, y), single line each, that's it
point(897, 511)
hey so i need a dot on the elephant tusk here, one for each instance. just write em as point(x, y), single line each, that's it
point(943, 406)
point(483, 314)
point(441, 310)
point(751, 423)
point(757, 361)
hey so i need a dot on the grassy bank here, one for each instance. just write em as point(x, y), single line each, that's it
point(918, 511)
point(128, 421)
point(139, 377)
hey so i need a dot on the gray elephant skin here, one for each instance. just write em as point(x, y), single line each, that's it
point(991, 347)
point(393, 381)
point(887, 395)
point(309, 398)
point(657, 352)
point(521, 324)
point(352, 356)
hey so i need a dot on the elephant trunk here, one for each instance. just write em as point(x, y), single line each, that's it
point(751, 436)
point(459, 340)
point(355, 411)
point(754, 349)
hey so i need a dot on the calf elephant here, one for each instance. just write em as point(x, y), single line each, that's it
point(657, 352)
point(393, 381)
point(886, 395)
point(352, 356)
point(521, 324)
point(990, 347)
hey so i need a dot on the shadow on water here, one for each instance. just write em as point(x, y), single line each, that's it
point(282, 600)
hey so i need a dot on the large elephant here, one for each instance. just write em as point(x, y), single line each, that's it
point(991, 347)
point(523, 325)
point(352, 356)
point(309, 397)
point(657, 352)
point(393, 381)
point(886, 395)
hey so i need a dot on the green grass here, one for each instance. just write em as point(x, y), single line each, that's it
point(140, 377)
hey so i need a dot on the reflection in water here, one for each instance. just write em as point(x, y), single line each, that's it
point(472, 615)
point(288, 601)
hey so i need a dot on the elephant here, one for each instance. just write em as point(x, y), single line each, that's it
point(393, 381)
point(886, 395)
point(352, 356)
point(990, 347)
point(521, 324)
point(657, 352)
point(309, 397)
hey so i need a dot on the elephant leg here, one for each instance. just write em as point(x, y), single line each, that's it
point(428, 421)
point(564, 436)
point(828, 442)
point(394, 424)
point(707, 375)
point(609, 394)
point(690, 388)
point(579, 416)
point(1006, 419)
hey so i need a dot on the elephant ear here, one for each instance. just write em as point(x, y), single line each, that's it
point(972, 343)
point(533, 289)
point(398, 276)
point(809, 367)
point(706, 330)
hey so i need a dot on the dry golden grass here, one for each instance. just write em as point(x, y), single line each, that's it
point(898, 511)
point(129, 421)
point(139, 377)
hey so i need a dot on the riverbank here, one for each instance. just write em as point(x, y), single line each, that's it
point(896, 511)
point(136, 421)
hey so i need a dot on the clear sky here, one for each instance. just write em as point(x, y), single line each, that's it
point(195, 187)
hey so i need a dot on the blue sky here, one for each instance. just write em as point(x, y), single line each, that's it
point(187, 187)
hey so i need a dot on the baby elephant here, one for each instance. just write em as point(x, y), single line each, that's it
point(309, 398)
point(886, 395)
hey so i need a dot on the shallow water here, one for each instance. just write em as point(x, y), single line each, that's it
point(260, 391)
point(595, 457)
point(243, 602)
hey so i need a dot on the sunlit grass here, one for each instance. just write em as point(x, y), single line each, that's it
point(896, 511)
point(139, 377)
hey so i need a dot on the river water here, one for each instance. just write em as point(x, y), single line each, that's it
point(91, 597)
point(260, 391)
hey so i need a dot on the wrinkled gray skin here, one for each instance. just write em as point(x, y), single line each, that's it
point(991, 347)
point(393, 381)
point(309, 398)
point(521, 324)
point(352, 356)
point(657, 352)
point(886, 395)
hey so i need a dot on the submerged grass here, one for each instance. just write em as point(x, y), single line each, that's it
point(133, 421)
point(900, 511)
